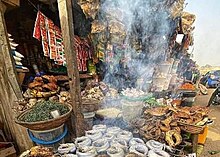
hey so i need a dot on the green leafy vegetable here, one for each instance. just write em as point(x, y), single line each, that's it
point(41, 111)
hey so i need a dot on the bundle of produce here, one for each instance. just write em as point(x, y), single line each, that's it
point(98, 27)
point(165, 123)
point(89, 7)
point(152, 102)
point(112, 94)
point(163, 130)
point(187, 86)
point(41, 111)
point(37, 151)
point(117, 32)
point(135, 94)
point(95, 91)
point(177, 8)
point(42, 86)
point(187, 22)
point(61, 97)
point(115, 142)
point(92, 94)
point(44, 115)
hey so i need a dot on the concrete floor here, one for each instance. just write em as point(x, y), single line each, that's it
point(213, 137)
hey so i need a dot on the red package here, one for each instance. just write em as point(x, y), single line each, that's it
point(79, 64)
point(52, 38)
point(84, 66)
point(36, 33)
point(50, 24)
point(44, 34)
point(45, 48)
point(59, 62)
point(53, 52)
point(42, 20)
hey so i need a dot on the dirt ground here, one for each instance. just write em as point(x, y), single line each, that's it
point(213, 137)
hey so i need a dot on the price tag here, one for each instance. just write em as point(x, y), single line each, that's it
point(192, 155)
point(55, 114)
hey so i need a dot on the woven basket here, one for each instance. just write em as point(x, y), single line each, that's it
point(193, 129)
point(44, 125)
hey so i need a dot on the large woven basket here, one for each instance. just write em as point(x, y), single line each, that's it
point(193, 129)
point(44, 125)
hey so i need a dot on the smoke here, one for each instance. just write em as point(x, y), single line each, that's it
point(138, 34)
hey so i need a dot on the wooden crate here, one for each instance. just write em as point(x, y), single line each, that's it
point(8, 152)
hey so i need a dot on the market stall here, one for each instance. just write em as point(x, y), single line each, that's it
point(118, 78)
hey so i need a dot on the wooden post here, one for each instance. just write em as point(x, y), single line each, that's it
point(66, 21)
point(9, 89)
point(9, 61)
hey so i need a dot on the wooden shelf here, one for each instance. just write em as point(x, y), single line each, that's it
point(22, 70)
point(84, 76)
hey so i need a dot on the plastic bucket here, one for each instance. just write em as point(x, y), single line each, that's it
point(175, 66)
point(49, 138)
point(159, 81)
point(167, 82)
point(164, 68)
point(88, 117)
point(202, 137)
point(131, 110)
point(147, 86)
point(173, 78)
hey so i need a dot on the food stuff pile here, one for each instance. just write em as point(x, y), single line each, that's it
point(166, 123)
point(43, 86)
point(132, 92)
point(37, 151)
point(187, 86)
point(42, 111)
point(97, 91)
point(112, 142)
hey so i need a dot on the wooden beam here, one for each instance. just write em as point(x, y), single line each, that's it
point(9, 61)
point(10, 89)
point(67, 27)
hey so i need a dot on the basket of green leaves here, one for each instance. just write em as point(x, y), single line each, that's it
point(41, 117)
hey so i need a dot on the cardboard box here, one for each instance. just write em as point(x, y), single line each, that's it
point(7, 151)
